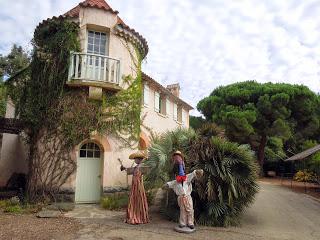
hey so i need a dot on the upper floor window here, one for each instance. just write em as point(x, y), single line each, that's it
point(184, 117)
point(175, 112)
point(168, 107)
point(160, 103)
point(97, 43)
point(179, 114)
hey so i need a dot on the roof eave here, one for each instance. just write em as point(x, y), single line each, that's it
point(149, 79)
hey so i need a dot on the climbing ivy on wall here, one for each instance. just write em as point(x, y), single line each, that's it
point(59, 117)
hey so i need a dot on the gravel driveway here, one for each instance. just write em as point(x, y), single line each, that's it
point(277, 214)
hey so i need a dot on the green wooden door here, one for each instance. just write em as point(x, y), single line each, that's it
point(89, 171)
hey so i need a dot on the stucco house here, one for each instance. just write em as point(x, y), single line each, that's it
point(101, 32)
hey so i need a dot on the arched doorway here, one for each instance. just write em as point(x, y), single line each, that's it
point(89, 172)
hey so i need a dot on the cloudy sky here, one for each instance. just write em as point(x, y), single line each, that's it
point(202, 44)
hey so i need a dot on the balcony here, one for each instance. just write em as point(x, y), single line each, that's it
point(94, 70)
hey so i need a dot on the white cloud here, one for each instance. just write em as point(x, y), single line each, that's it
point(203, 44)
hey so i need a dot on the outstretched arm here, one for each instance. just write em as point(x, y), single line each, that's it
point(169, 184)
point(196, 173)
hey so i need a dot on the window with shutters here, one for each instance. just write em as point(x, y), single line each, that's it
point(146, 95)
point(168, 107)
point(163, 105)
point(160, 103)
point(183, 117)
point(157, 102)
point(179, 114)
point(175, 112)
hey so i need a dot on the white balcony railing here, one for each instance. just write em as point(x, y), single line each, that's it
point(92, 67)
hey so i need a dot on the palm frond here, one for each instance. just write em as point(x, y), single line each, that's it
point(230, 176)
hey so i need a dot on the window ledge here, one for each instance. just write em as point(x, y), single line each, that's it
point(180, 123)
point(162, 115)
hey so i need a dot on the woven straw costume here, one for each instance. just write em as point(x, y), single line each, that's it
point(137, 211)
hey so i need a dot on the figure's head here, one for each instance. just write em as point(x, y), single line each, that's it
point(138, 160)
point(177, 157)
point(138, 157)
point(178, 167)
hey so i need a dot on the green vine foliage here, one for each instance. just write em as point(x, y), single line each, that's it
point(49, 70)
point(65, 115)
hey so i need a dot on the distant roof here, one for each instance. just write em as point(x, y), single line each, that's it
point(101, 4)
point(304, 154)
point(149, 79)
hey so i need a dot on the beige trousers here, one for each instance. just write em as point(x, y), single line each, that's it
point(186, 210)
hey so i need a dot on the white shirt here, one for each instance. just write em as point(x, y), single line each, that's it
point(184, 189)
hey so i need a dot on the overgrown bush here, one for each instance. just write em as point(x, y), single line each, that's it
point(114, 202)
point(229, 184)
point(11, 205)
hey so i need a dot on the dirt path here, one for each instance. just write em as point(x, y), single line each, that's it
point(29, 227)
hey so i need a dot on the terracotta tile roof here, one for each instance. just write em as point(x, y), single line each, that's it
point(101, 4)
point(153, 82)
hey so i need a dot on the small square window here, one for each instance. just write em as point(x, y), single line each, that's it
point(91, 34)
point(90, 48)
point(97, 154)
point(83, 153)
point(102, 50)
point(90, 40)
point(96, 49)
point(90, 154)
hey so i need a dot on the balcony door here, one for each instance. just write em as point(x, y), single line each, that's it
point(97, 45)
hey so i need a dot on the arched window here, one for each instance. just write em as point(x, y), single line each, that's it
point(90, 150)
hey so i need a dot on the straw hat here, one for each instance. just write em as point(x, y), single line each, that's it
point(137, 154)
point(178, 153)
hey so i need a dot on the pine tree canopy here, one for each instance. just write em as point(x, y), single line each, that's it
point(252, 113)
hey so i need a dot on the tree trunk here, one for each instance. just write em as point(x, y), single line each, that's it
point(261, 153)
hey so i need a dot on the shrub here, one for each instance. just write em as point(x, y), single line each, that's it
point(11, 205)
point(114, 202)
point(151, 194)
point(13, 209)
point(305, 176)
point(229, 184)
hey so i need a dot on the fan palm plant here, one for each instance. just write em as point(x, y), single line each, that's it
point(230, 175)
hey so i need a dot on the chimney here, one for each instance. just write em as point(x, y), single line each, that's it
point(174, 89)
